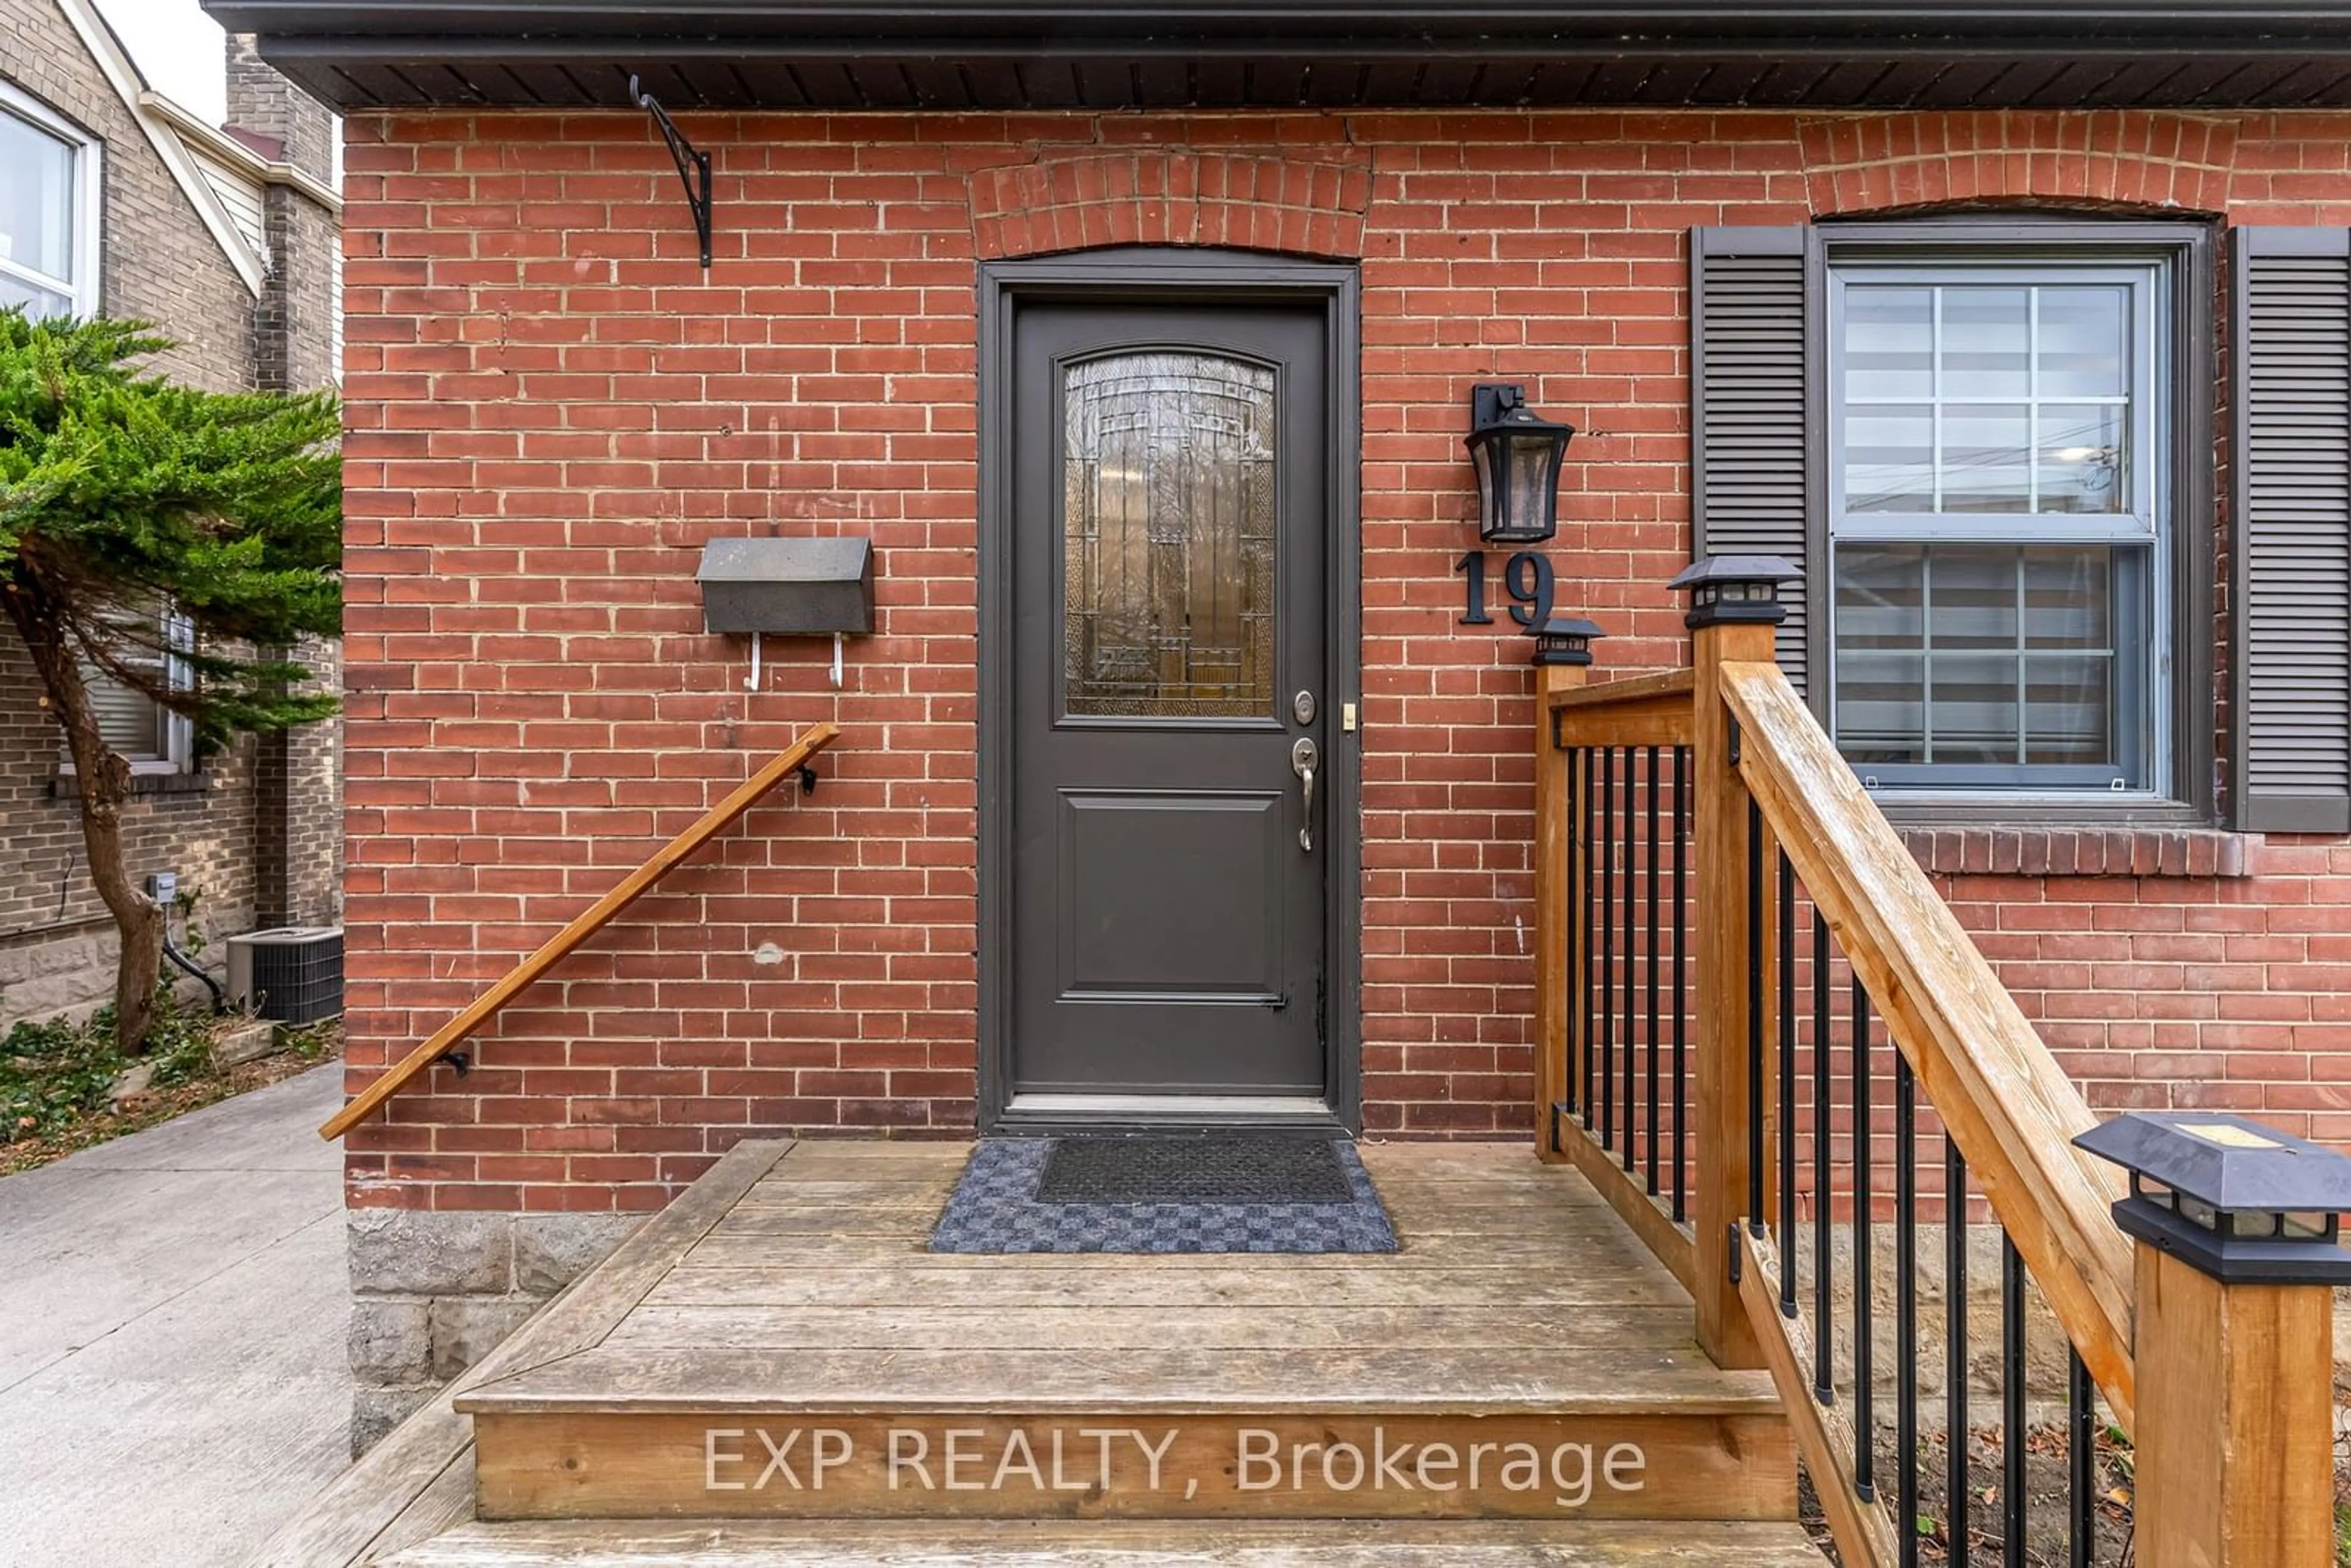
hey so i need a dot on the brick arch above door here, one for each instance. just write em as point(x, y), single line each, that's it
point(1168, 196)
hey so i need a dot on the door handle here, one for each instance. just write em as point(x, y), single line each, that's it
point(1304, 756)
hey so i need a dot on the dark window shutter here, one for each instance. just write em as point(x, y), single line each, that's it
point(2292, 456)
point(1750, 393)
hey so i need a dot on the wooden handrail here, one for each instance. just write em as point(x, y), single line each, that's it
point(1631, 689)
point(599, 914)
point(2004, 1099)
point(2219, 1382)
point(1645, 710)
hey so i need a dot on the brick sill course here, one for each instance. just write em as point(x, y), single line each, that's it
point(2079, 852)
point(66, 786)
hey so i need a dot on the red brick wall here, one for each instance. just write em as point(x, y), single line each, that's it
point(552, 408)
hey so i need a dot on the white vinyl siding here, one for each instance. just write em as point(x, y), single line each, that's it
point(240, 195)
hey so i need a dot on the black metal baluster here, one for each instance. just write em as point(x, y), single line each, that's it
point(1572, 895)
point(1607, 921)
point(1632, 943)
point(1824, 1275)
point(2012, 1405)
point(1955, 1350)
point(1585, 895)
point(1787, 989)
point(1754, 1016)
point(1681, 982)
point(2081, 1459)
point(1906, 1310)
point(1865, 1463)
point(1651, 1160)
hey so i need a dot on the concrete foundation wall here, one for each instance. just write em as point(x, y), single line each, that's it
point(433, 1293)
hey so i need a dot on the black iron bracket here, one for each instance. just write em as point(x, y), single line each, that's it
point(1733, 720)
point(693, 167)
point(808, 779)
point(459, 1060)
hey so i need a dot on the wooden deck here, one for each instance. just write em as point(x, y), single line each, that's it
point(1519, 1379)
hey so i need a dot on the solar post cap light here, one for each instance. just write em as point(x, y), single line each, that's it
point(2243, 1203)
point(1564, 639)
point(1726, 588)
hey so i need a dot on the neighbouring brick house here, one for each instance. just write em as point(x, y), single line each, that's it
point(2031, 343)
point(117, 201)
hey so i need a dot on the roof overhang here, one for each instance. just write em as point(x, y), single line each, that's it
point(121, 73)
point(1122, 54)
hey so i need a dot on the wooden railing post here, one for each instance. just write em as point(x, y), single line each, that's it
point(2235, 1352)
point(1562, 662)
point(1734, 611)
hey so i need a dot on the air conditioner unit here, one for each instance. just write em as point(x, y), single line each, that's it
point(293, 974)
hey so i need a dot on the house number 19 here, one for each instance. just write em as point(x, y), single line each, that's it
point(1526, 578)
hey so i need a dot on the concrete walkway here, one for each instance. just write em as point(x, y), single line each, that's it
point(172, 1310)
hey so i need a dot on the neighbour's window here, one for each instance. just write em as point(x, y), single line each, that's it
point(1999, 606)
point(146, 734)
point(48, 211)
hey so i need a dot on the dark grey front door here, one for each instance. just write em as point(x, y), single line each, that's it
point(1168, 537)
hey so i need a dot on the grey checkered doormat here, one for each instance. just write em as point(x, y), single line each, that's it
point(1227, 1194)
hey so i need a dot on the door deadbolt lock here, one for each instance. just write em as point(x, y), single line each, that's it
point(1301, 707)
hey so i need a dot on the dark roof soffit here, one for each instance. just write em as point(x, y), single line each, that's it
point(1820, 53)
point(1881, 21)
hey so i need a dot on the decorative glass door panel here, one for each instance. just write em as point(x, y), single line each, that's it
point(1168, 507)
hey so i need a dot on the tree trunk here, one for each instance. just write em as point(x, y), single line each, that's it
point(103, 780)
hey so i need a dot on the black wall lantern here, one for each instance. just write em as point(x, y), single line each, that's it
point(1518, 455)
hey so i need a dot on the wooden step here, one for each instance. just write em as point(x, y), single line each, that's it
point(1058, 1544)
point(1629, 1463)
point(1521, 1356)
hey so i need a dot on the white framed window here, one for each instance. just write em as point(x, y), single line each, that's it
point(1999, 519)
point(48, 210)
point(146, 734)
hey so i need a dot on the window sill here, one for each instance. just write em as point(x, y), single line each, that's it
point(192, 782)
point(2078, 851)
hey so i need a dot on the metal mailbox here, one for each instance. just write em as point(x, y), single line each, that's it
point(787, 586)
